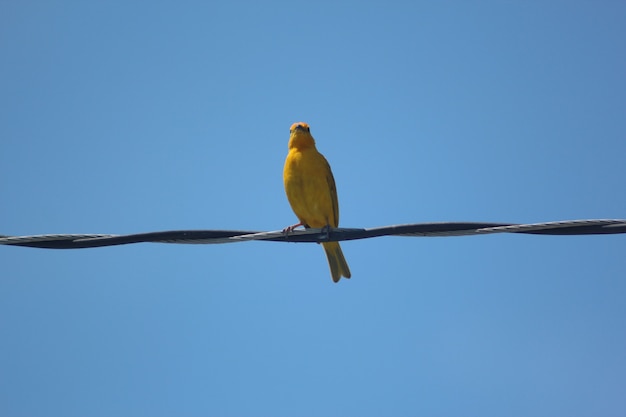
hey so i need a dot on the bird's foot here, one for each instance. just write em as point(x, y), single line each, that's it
point(290, 229)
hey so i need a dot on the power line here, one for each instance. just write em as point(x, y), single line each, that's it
point(78, 241)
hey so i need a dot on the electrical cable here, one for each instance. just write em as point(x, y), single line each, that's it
point(79, 241)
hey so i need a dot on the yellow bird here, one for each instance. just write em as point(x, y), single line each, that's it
point(312, 194)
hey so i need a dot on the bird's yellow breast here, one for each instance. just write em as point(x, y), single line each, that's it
point(310, 188)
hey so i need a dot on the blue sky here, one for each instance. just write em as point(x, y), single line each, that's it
point(128, 117)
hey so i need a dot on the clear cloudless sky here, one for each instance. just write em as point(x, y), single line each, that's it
point(122, 117)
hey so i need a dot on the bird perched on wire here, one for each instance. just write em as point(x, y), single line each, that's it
point(312, 194)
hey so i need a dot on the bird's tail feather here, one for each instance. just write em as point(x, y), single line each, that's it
point(336, 261)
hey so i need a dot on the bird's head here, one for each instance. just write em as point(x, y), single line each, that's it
point(299, 126)
point(300, 136)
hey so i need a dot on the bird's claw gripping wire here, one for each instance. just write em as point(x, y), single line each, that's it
point(324, 231)
point(291, 228)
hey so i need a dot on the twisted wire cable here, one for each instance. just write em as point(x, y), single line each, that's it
point(441, 229)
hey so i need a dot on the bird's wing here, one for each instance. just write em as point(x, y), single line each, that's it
point(332, 189)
